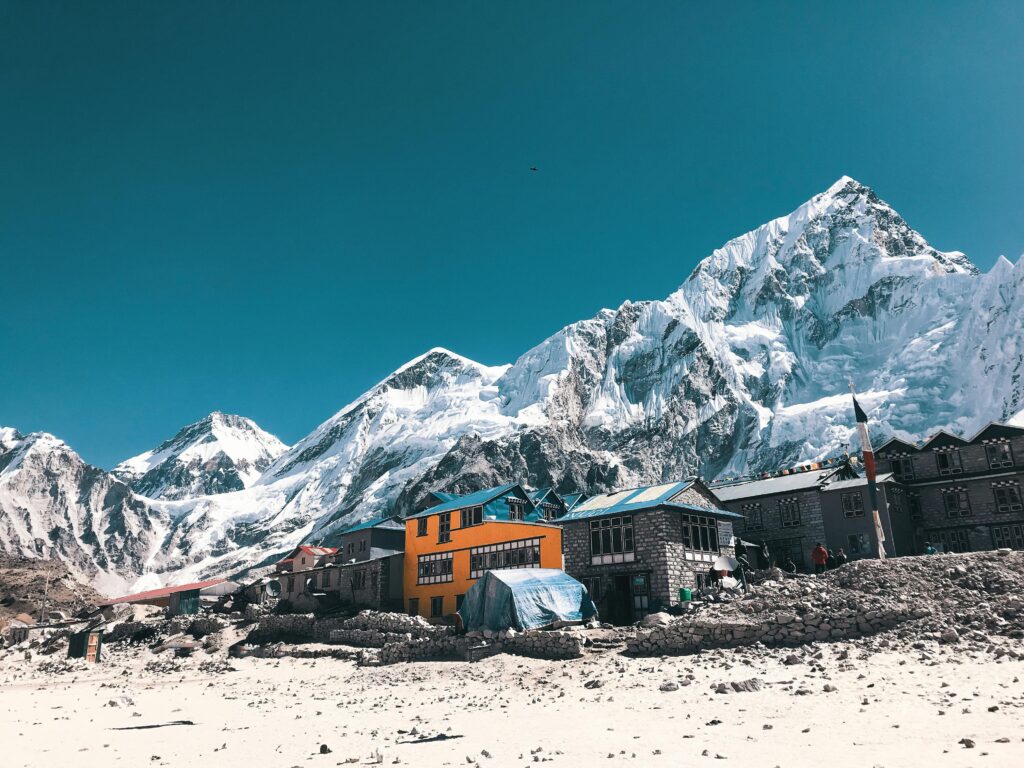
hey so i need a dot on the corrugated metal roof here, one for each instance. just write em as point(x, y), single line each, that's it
point(162, 592)
point(475, 499)
point(798, 481)
point(856, 482)
point(637, 500)
point(570, 499)
point(386, 523)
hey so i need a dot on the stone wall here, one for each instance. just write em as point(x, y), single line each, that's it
point(688, 635)
point(801, 537)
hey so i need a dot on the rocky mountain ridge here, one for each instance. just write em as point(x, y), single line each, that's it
point(744, 368)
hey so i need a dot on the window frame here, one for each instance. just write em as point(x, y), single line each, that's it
point(852, 510)
point(790, 504)
point(896, 465)
point(435, 568)
point(954, 462)
point(1010, 505)
point(421, 526)
point(700, 533)
point(963, 503)
point(996, 463)
point(612, 540)
point(753, 507)
point(444, 527)
point(437, 606)
point(474, 516)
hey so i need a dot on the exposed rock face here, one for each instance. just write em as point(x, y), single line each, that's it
point(219, 453)
point(53, 505)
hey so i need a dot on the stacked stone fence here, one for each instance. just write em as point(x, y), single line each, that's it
point(784, 628)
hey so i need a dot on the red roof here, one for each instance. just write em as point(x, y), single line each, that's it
point(309, 550)
point(162, 592)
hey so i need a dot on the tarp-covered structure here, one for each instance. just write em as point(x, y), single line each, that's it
point(525, 598)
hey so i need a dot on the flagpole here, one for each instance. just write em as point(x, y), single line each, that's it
point(869, 470)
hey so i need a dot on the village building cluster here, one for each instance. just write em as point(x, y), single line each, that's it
point(646, 549)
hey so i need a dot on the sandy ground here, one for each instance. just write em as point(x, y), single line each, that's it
point(888, 709)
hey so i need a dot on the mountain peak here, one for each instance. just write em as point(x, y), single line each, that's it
point(220, 452)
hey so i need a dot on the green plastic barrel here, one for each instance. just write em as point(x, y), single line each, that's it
point(685, 595)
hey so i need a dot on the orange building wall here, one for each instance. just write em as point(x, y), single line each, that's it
point(462, 539)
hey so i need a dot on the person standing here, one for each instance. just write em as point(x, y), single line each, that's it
point(929, 548)
point(819, 556)
point(841, 558)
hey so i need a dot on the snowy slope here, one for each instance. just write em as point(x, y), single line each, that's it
point(54, 505)
point(219, 453)
point(744, 368)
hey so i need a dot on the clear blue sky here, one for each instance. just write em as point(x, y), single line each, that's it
point(264, 208)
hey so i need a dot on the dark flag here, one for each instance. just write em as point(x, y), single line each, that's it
point(869, 471)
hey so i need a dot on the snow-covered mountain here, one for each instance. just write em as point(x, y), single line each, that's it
point(219, 453)
point(54, 505)
point(744, 368)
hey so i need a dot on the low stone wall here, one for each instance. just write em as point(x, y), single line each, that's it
point(544, 645)
point(421, 649)
point(688, 635)
point(367, 629)
point(366, 638)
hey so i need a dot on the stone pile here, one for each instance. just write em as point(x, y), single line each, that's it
point(943, 597)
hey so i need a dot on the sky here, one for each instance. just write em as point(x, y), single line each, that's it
point(265, 208)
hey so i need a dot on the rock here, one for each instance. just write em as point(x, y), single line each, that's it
point(593, 684)
point(968, 743)
point(747, 686)
point(668, 685)
point(949, 636)
point(324, 749)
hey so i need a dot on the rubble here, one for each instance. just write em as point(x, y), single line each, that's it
point(950, 598)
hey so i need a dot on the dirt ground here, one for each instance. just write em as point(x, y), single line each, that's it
point(940, 706)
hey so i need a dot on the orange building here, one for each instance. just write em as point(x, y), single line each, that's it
point(452, 544)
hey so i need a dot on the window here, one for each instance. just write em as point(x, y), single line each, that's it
point(783, 550)
point(902, 467)
point(472, 516)
point(516, 509)
point(857, 544)
point(611, 540)
point(291, 584)
point(458, 601)
point(753, 517)
point(434, 569)
point(421, 527)
point(359, 580)
point(1008, 497)
point(949, 462)
point(956, 502)
point(700, 534)
point(414, 606)
point(999, 455)
point(524, 553)
point(640, 589)
point(595, 587)
point(325, 579)
point(789, 512)
point(953, 540)
point(916, 512)
point(362, 545)
point(444, 527)
point(351, 547)
point(853, 504)
point(373, 581)
point(1011, 536)
point(436, 607)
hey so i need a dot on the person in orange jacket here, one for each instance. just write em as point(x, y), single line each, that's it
point(819, 556)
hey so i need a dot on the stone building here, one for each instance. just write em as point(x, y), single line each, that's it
point(635, 549)
point(371, 539)
point(962, 494)
point(790, 513)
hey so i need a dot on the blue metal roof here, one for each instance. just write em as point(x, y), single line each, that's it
point(538, 495)
point(388, 523)
point(571, 498)
point(475, 499)
point(639, 499)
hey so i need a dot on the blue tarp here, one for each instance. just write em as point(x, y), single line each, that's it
point(525, 598)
